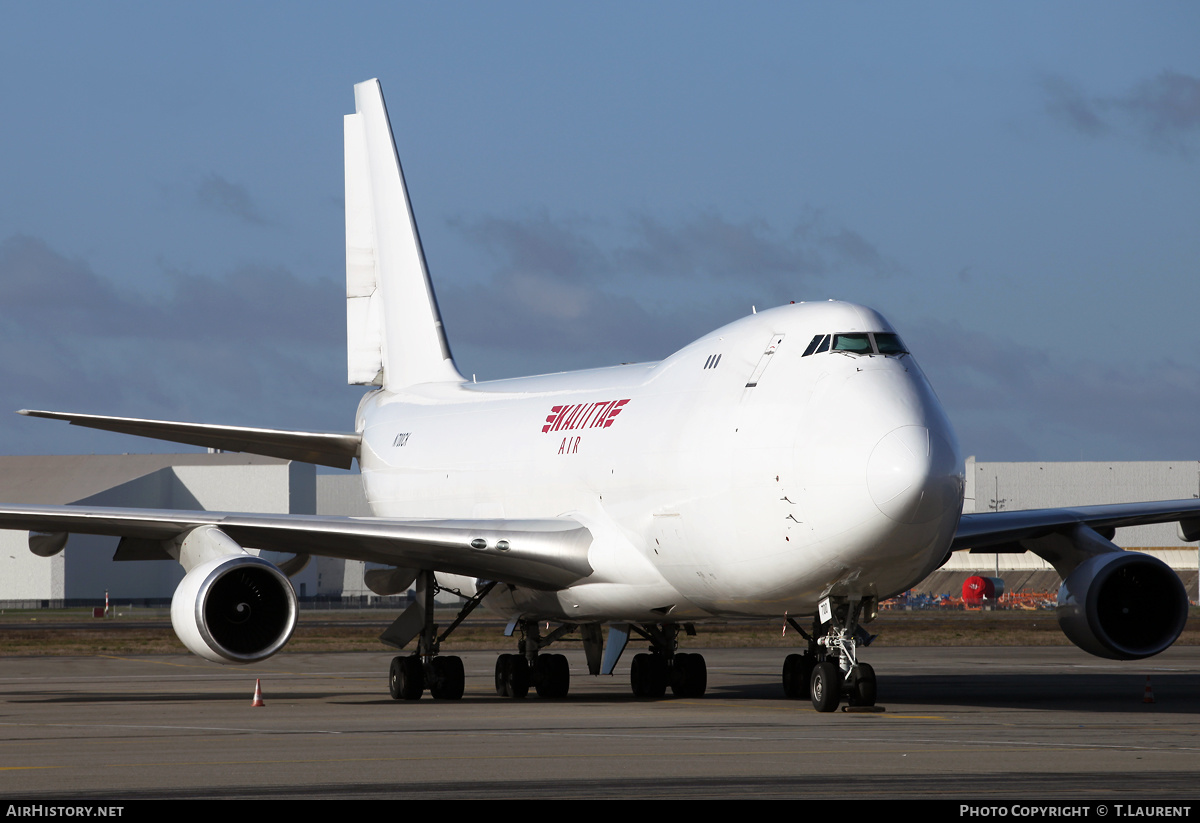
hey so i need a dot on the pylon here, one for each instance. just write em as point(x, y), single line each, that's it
point(258, 701)
point(1148, 697)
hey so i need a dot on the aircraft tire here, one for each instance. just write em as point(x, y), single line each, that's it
point(515, 674)
point(639, 674)
point(648, 675)
point(449, 679)
point(865, 689)
point(562, 675)
point(826, 686)
point(394, 678)
point(690, 676)
point(552, 676)
point(406, 678)
point(503, 663)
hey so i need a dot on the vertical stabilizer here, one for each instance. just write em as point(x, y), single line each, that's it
point(394, 334)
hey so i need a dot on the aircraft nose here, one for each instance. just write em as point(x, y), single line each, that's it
point(913, 475)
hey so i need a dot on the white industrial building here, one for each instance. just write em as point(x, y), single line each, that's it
point(1013, 486)
point(212, 482)
point(248, 483)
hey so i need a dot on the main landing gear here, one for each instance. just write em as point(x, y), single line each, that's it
point(650, 673)
point(829, 669)
point(548, 674)
point(442, 675)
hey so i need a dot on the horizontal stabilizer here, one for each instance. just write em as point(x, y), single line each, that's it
point(323, 448)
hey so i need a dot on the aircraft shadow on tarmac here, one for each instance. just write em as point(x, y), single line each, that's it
point(1085, 692)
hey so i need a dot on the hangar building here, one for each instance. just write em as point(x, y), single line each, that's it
point(1012, 486)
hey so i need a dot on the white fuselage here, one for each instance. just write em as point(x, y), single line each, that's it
point(736, 477)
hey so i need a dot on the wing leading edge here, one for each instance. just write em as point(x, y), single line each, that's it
point(543, 554)
point(1069, 537)
point(988, 530)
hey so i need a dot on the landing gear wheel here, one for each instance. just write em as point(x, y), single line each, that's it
point(406, 678)
point(501, 680)
point(863, 689)
point(797, 672)
point(518, 677)
point(552, 675)
point(394, 677)
point(648, 675)
point(826, 686)
point(448, 678)
point(512, 676)
point(689, 676)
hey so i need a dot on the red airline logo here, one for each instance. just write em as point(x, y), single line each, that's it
point(583, 416)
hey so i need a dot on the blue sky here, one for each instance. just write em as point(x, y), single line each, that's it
point(1016, 186)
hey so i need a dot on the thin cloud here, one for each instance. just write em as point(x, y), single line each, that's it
point(1162, 111)
point(708, 245)
point(1067, 103)
point(251, 303)
point(558, 248)
point(1021, 402)
point(202, 348)
point(1166, 107)
point(36, 281)
point(217, 194)
point(844, 249)
point(569, 293)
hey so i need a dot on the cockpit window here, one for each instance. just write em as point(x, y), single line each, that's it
point(880, 342)
point(853, 343)
point(819, 344)
point(889, 343)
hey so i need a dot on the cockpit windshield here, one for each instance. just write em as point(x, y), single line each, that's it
point(860, 343)
point(854, 343)
point(888, 343)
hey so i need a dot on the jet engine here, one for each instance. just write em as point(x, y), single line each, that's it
point(1122, 605)
point(234, 609)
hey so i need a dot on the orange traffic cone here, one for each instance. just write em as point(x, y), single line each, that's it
point(258, 701)
point(1148, 697)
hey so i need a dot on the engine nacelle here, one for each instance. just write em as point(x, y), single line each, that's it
point(1122, 605)
point(234, 609)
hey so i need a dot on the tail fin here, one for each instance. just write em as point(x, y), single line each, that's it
point(394, 331)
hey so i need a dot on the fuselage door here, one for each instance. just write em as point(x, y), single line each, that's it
point(763, 362)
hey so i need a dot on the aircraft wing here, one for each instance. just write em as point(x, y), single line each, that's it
point(323, 448)
point(981, 530)
point(543, 554)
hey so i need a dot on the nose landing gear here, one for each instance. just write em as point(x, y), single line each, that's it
point(829, 669)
